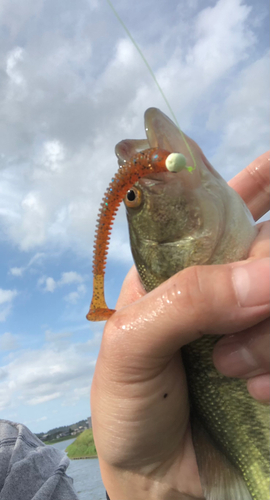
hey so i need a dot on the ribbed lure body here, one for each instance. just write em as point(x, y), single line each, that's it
point(149, 161)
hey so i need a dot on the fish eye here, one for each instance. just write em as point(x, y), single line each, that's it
point(133, 198)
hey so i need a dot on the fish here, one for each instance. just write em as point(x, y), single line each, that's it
point(182, 219)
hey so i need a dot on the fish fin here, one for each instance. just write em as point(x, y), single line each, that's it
point(219, 478)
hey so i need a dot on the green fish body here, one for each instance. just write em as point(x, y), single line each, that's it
point(184, 219)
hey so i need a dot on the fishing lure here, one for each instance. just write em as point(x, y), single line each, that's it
point(152, 160)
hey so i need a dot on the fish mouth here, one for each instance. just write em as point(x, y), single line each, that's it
point(158, 178)
point(161, 132)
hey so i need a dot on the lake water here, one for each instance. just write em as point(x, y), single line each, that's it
point(85, 474)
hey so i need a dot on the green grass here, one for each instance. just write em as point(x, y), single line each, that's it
point(83, 446)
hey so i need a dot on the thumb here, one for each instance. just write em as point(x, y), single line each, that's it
point(201, 299)
point(131, 290)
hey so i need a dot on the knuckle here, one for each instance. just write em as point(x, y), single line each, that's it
point(115, 338)
point(207, 300)
point(198, 289)
point(111, 330)
point(189, 294)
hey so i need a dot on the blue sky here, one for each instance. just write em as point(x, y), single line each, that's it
point(71, 86)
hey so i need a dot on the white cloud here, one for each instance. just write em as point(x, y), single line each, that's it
point(53, 155)
point(58, 137)
point(43, 399)
point(5, 397)
point(17, 271)
point(246, 114)
point(52, 337)
point(7, 295)
point(36, 259)
point(120, 248)
point(50, 285)
point(67, 278)
point(35, 377)
point(70, 277)
point(48, 282)
point(81, 393)
point(12, 68)
point(41, 419)
point(3, 373)
point(34, 217)
point(222, 38)
point(6, 299)
point(8, 342)
point(73, 297)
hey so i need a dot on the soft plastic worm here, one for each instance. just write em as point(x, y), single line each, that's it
point(148, 161)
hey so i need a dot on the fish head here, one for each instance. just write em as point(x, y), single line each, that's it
point(181, 219)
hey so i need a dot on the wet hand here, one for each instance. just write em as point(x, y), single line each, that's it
point(247, 354)
point(139, 399)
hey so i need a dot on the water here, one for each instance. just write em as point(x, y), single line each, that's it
point(85, 474)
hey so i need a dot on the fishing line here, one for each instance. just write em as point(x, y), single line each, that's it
point(155, 80)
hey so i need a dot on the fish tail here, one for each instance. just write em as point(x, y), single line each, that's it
point(219, 478)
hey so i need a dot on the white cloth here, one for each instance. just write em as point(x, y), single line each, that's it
point(30, 470)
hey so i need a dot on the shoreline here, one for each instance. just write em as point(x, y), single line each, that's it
point(83, 447)
point(66, 438)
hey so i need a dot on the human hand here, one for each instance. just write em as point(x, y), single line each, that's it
point(247, 354)
point(140, 406)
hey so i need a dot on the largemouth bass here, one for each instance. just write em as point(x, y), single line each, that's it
point(178, 220)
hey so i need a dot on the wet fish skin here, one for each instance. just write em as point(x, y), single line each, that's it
point(187, 219)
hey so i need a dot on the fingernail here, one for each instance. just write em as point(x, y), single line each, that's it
point(251, 283)
point(235, 360)
point(259, 388)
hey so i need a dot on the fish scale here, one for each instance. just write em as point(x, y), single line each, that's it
point(237, 422)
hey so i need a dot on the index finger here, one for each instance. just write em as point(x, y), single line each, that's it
point(253, 185)
point(195, 301)
point(132, 288)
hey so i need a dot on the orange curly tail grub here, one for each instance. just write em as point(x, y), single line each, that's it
point(148, 161)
